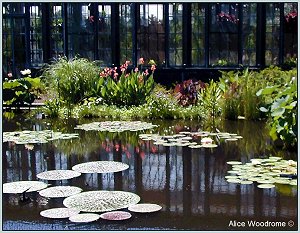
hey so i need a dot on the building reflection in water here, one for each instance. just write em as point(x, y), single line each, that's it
point(184, 181)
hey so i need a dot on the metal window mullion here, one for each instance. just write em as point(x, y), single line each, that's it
point(134, 15)
point(240, 34)
point(27, 37)
point(65, 28)
point(281, 37)
point(167, 34)
point(207, 35)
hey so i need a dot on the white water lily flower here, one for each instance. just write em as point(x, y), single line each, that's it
point(25, 72)
point(206, 140)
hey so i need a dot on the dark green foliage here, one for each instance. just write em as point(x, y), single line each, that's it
point(23, 91)
point(281, 104)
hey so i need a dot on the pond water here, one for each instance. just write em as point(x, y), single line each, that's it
point(188, 183)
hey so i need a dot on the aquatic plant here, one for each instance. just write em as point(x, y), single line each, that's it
point(58, 175)
point(60, 191)
point(115, 215)
point(281, 104)
point(59, 213)
point(101, 201)
point(23, 186)
point(144, 208)
point(84, 217)
point(100, 167)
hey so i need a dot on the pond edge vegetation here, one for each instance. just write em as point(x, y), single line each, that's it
point(80, 88)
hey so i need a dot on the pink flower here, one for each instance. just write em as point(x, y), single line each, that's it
point(136, 70)
point(153, 68)
point(126, 75)
point(146, 72)
point(9, 75)
point(141, 61)
point(115, 75)
point(122, 69)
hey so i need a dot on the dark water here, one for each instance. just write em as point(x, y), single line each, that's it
point(188, 183)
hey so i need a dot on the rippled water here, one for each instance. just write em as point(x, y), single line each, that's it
point(188, 183)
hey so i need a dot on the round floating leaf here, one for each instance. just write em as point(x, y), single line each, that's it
point(266, 186)
point(60, 191)
point(231, 139)
point(233, 180)
point(116, 126)
point(58, 175)
point(144, 208)
point(86, 217)
point(265, 181)
point(234, 162)
point(209, 145)
point(101, 201)
point(116, 215)
point(22, 186)
point(100, 167)
point(246, 182)
point(59, 213)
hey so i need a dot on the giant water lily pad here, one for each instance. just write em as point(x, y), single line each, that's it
point(116, 215)
point(58, 175)
point(100, 167)
point(266, 186)
point(32, 137)
point(116, 126)
point(23, 186)
point(144, 208)
point(60, 191)
point(101, 201)
point(59, 213)
point(84, 217)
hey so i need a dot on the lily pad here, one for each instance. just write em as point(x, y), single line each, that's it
point(209, 145)
point(84, 217)
point(116, 215)
point(101, 201)
point(100, 167)
point(234, 162)
point(246, 182)
point(144, 208)
point(116, 126)
point(266, 186)
point(60, 191)
point(58, 175)
point(59, 213)
point(23, 186)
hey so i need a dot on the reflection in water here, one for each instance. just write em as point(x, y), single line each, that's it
point(188, 183)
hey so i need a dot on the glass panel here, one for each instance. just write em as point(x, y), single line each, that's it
point(151, 33)
point(126, 33)
point(104, 34)
point(198, 34)
point(57, 48)
point(175, 37)
point(223, 34)
point(272, 33)
point(290, 31)
point(80, 31)
point(36, 49)
point(249, 34)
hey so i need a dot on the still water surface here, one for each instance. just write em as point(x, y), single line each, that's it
point(188, 183)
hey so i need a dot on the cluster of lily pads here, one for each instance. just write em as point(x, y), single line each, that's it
point(190, 139)
point(31, 137)
point(265, 172)
point(89, 202)
point(116, 126)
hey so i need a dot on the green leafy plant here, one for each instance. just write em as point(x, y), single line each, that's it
point(22, 91)
point(209, 98)
point(71, 79)
point(129, 88)
point(281, 104)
